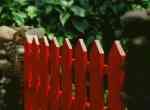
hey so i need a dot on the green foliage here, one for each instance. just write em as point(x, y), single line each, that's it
point(70, 17)
point(31, 11)
point(16, 12)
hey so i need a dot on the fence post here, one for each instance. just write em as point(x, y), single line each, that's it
point(54, 75)
point(96, 77)
point(80, 70)
point(115, 76)
point(67, 75)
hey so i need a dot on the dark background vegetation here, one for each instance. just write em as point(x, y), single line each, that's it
point(90, 19)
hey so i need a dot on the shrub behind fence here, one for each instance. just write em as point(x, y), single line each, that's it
point(66, 78)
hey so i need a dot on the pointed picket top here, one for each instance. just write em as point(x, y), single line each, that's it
point(81, 45)
point(44, 47)
point(28, 46)
point(117, 48)
point(46, 41)
point(36, 71)
point(66, 51)
point(44, 53)
point(36, 46)
point(54, 74)
point(54, 49)
point(55, 42)
point(115, 76)
point(36, 40)
point(97, 56)
point(51, 50)
point(80, 50)
point(81, 61)
point(67, 44)
point(44, 44)
point(97, 48)
point(29, 38)
point(66, 75)
point(28, 57)
point(96, 76)
point(28, 104)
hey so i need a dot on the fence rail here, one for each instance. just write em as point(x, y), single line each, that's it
point(67, 78)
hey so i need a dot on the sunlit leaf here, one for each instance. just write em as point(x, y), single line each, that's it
point(60, 40)
point(78, 11)
point(32, 11)
point(66, 3)
point(48, 9)
point(64, 18)
point(19, 18)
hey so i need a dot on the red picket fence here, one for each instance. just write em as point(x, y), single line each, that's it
point(66, 78)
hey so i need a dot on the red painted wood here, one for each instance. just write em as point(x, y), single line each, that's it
point(96, 77)
point(54, 78)
point(36, 74)
point(42, 76)
point(80, 70)
point(44, 45)
point(67, 75)
point(50, 72)
point(115, 76)
point(27, 76)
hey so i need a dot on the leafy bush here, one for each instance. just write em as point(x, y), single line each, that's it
point(72, 18)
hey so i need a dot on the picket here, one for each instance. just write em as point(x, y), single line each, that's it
point(80, 70)
point(44, 46)
point(67, 75)
point(49, 71)
point(36, 73)
point(96, 76)
point(115, 76)
point(54, 76)
point(27, 76)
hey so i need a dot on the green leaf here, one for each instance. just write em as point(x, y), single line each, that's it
point(48, 9)
point(137, 7)
point(64, 18)
point(89, 40)
point(69, 35)
point(99, 36)
point(32, 11)
point(1, 8)
point(53, 2)
point(80, 24)
point(65, 3)
point(78, 11)
point(58, 9)
point(21, 2)
point(19, 18)
point(50, 35)
point(60, 40)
